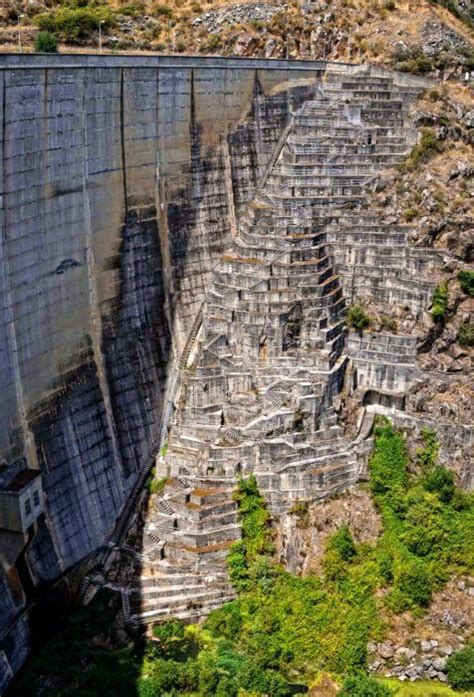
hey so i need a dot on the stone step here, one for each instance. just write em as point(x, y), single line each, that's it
point(183, 611)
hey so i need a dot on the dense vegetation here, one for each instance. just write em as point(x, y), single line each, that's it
point(283, 630)
point(76, 21)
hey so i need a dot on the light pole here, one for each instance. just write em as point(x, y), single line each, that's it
point(172, 34)
point(100, 35)
point(20, 17)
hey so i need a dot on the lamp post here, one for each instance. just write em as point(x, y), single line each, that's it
point(172, 34)
point(20, 17)
point(100, 35)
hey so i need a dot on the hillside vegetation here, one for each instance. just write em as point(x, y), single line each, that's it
point(430, 36)
point(285, 632)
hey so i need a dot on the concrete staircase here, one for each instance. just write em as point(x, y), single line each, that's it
point(258, 398)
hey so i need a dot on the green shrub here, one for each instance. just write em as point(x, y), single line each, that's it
point(156, 486)
point(389, 324)
point(340, 549)
point(256, 681)
point(460, 669)
point(75, 23)
point(465, 335)
point(167, 677)
point(300, 509)
point(424, 529)
point(46, 42)
point(213, 44)
point(226, 623)
point(439, 306)
point(410, 214)
point(385, 562)
point(256, 533)
point(412, 60)
point(466, 280)
point(363, 686)
point(441, 481)
point(172, 639)
point(428, 146)
point(427, 456)
point(133, 9)
point(358, 318)
point(163, 10)
point(342, 542)
point(414, 582)
point(461, 500)
point(237, 566)
point(388, 462)
point(335, 569)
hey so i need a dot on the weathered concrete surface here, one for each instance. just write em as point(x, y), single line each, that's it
point(121, 180)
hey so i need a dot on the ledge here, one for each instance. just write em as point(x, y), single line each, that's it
point(95, 60)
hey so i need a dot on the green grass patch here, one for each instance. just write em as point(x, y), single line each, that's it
point(421, 688)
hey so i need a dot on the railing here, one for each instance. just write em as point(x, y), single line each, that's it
point(275, 155)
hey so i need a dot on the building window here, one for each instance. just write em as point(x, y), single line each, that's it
point(36, 499)
point(27, 506)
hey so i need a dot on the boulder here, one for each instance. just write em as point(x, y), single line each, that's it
point(439, 664)
point(386, 650)
point(445, 650)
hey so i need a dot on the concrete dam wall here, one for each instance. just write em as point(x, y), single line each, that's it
point(122, 179)
point(202, 221)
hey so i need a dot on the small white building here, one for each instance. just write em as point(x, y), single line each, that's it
point(21, 498)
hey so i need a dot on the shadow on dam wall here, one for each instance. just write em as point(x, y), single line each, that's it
point(122, 182)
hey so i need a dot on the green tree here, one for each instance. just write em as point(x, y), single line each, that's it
point(46, 42)
point(460, 669)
